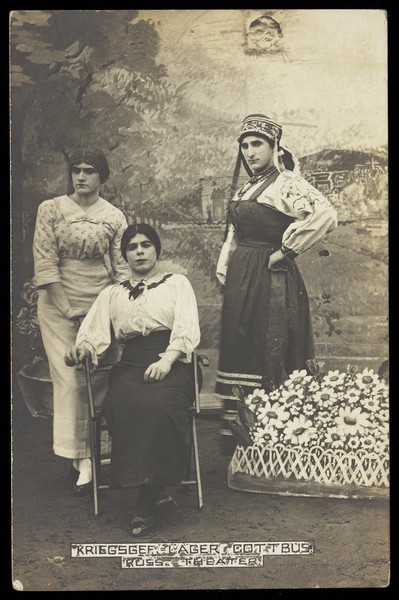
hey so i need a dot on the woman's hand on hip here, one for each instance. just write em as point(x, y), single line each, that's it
point(157, 370)
point(76, 355)
point(275, 258)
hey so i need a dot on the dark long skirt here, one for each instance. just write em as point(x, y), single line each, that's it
point(266, 329)
point(148, 422)
point(266, 326)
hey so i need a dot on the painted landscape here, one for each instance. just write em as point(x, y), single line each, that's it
point(163, 94)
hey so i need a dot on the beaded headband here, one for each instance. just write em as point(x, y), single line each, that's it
point(261, 124)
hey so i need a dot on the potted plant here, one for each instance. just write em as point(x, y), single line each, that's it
point(34, 377)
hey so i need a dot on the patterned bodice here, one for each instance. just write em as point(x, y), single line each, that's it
point(65, 231)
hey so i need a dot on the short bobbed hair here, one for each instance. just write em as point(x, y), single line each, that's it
point(146, 230)
point(92, 156)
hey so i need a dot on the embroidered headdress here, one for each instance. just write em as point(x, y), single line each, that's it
point(258, 124)
point(261, 125)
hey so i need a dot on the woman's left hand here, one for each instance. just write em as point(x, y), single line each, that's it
point(157, 370)
point(76, 355)
point(275, 258)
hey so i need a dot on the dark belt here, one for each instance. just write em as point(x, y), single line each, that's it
point(256, 244)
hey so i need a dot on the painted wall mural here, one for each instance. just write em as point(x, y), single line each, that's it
point(163, 94)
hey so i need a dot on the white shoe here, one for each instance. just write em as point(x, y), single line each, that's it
point(85, 471)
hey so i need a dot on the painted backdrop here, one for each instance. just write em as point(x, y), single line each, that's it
point(163, 94)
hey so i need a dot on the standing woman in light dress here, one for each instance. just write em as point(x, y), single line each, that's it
point(155, 318)
point(76, 251)
point(266, 330)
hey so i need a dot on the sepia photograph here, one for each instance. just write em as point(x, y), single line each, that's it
point(199, 299)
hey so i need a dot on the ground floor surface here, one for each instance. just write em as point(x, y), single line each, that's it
point(351, 537)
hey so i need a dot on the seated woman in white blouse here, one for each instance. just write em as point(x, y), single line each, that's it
point(154, 316)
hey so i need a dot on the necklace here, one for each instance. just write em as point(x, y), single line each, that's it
point(261, 175)
point(264, 173)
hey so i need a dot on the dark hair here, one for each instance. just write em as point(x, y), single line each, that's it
point(143, 228)
point(92, 156)
point(269, 140)
point(288, 161)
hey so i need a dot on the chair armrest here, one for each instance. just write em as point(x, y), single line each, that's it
point(203, 359)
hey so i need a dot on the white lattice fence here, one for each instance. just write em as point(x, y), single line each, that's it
point(316, 465)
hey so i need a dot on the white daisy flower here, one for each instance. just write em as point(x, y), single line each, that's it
point(367, 378)
point(255, 398)
point(298, 377)
point(332, 435)
point(270, 435)
point(368, 442)
point(314, 386)
point(325, 397)
point(272, 414)
point(333, 379)
point(351, 420)
point(352, 395)
point(354, 442)
point(298, 430)
point(371, 404)
point(323, 416)
point(257, 434)
point(287, 397)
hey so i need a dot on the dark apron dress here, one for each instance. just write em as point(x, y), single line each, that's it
point(266, 328)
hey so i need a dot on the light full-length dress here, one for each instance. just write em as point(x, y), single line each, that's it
point(147, 421)
point(266, 328)
point(81, 249)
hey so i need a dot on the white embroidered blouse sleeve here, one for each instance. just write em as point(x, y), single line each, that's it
point(224, 256)
point(185, 335)
point(314, 215)
point(95, 330)
point(45, 247)
point(119, 265)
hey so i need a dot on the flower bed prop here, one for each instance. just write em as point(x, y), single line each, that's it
point(315, 435)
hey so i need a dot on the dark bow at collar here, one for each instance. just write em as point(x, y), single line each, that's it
point(135, 291)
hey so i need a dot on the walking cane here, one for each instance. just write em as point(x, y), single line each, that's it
point(93, 428)
point(93, 432)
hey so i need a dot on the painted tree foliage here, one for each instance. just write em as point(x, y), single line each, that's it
point(83, 77)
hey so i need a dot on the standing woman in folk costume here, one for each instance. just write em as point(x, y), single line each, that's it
point(266, 330)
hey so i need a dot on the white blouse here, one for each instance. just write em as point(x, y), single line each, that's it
point(292, 195)
point(169, 306)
